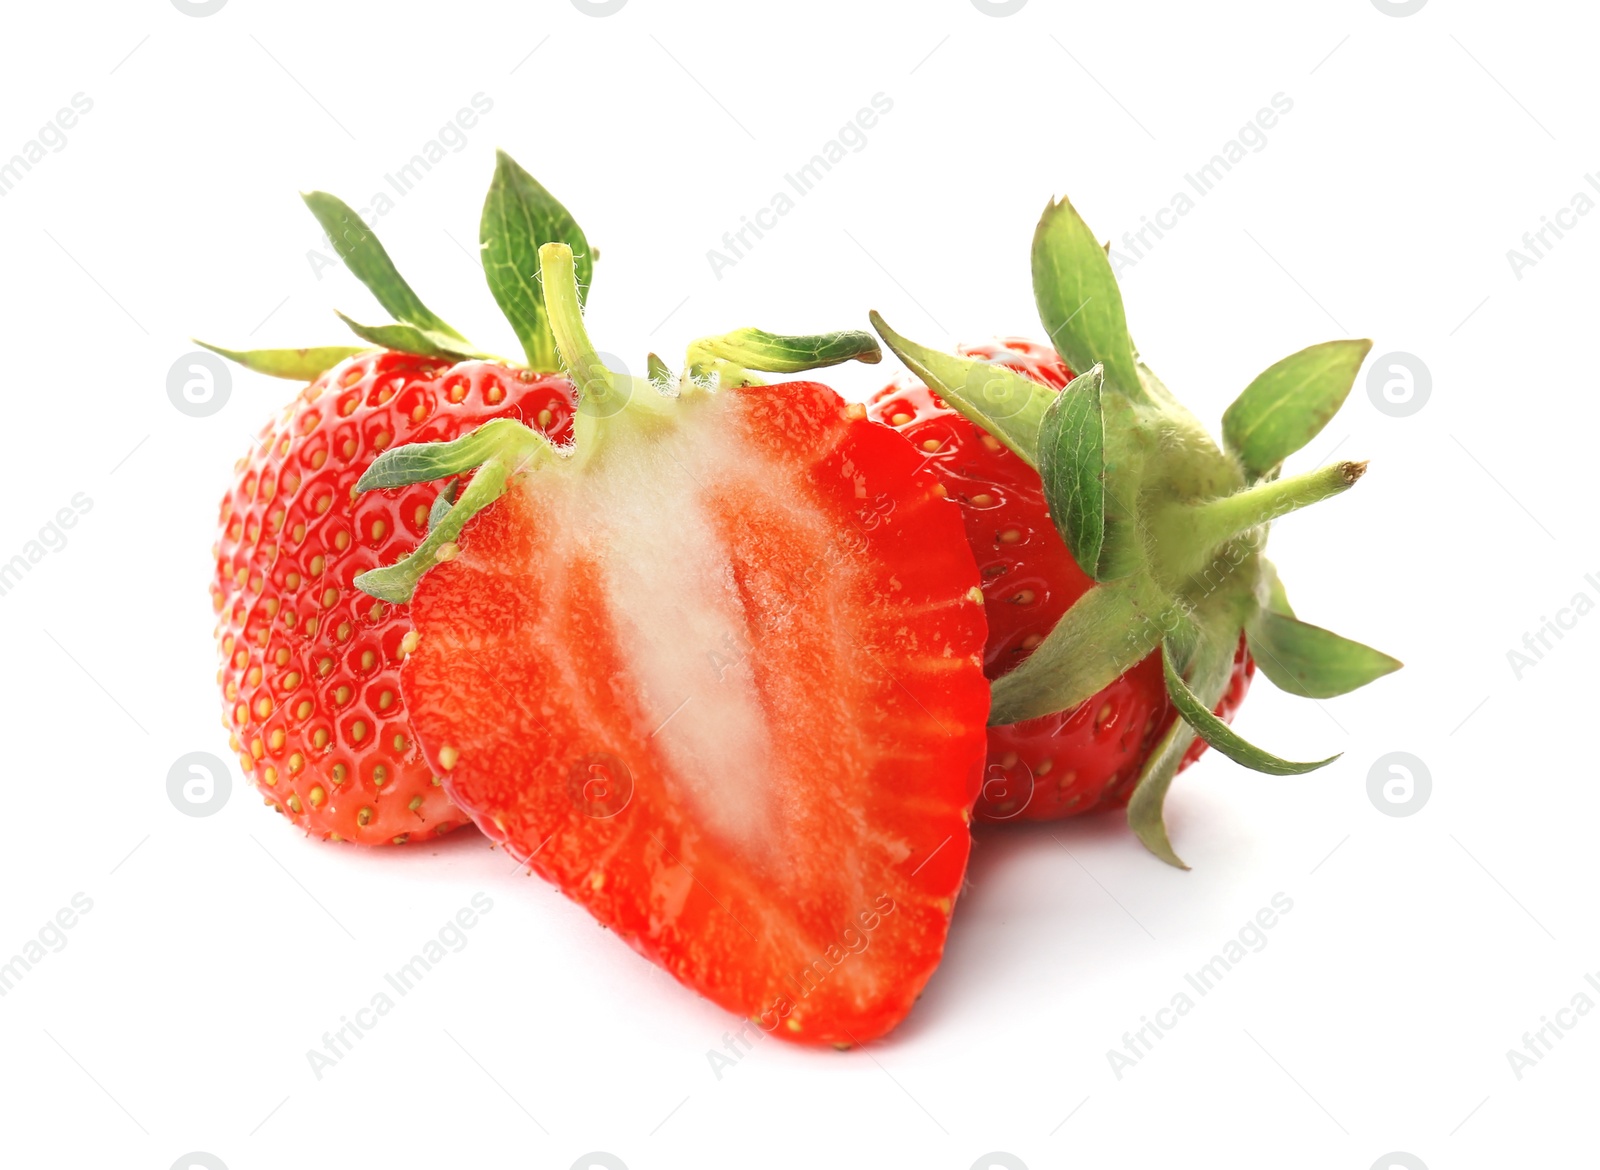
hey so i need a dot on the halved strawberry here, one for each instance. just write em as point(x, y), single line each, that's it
point(715, 671)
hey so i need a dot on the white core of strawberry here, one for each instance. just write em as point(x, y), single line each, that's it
point(650, 519)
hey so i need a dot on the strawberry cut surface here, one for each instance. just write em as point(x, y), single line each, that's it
point(1070, 762)
point(721, 683)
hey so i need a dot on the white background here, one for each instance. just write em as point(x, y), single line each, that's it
point(1419, 949)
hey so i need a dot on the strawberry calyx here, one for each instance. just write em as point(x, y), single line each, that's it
point(519, 216)
point(607, 401)
point(1168, 524)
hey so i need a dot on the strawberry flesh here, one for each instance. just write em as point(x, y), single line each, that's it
point(722, 685)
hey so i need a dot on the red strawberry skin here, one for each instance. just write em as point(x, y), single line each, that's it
point(737, 713)
point(309, 664)
point(1073, 761)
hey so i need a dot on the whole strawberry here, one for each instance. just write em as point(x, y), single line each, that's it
point(1067, 762)
point(309, 664)
point(1120, 546)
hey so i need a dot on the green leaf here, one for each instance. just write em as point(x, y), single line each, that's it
point(1072, 466)
point(410, 339)
point(1277, 598)
point(361, 252)
point(1310, 661)
point(1198, 715)
point(1001, 401)
point(1290, 402)
point(656, 370)
point(1079, 302)
point(776, 353)
point(1209, 671)
point(302, 365)
point(1104, 634)
point(519, 216)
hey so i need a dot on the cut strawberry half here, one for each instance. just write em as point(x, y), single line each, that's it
point(715, 671)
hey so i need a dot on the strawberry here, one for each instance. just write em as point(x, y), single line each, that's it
point(310, 664)
point(1121, 546)
point(1029, 582)
point(714, 671)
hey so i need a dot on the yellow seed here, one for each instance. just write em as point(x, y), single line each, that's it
point(257, 748)
point(329, 596)
point(379, 528)
point(932, 444)
point(855, 411)
point(385, 700)
point(269, 775)
point(358, 730)
point(304, 709)
point(975, 594)
point(1022, 597)
point(339, 773)
point(282, 656)
point(293, 802)
point(263, 707)
point(275, 738)
point(1031, 641)
point(364, 816)
point(982, 499)
point(319, 737)
point(901, 418)
point(415, 803)
point(296, 762)
point(341, 540)
point(409, 642)
point(991, 442)
point(253, 678)
point(291, 680)
point(400, 744)
point(324, 665)
point(446, 551)
point(545, 419)
point(448, 757)
point(368, 660)
point(380, 775)
point(342, 696)
point(317, 563)
point(343, 632)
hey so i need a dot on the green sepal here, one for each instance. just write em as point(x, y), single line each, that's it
point(1289, 403)
point(300, 365)
point(497, 450)
point(1198, 715)
point(1072, 467)
point(1209, 671)
point(1079, 303)
point(755, 349)
point(503, 438)
point(357, 245)
point(657, 371)
point(1001, 401)
point(410, 339)
point(1310, 661)
point(443, 502)
point(1104, 634)
point(519, 216)
point(1275, 598)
